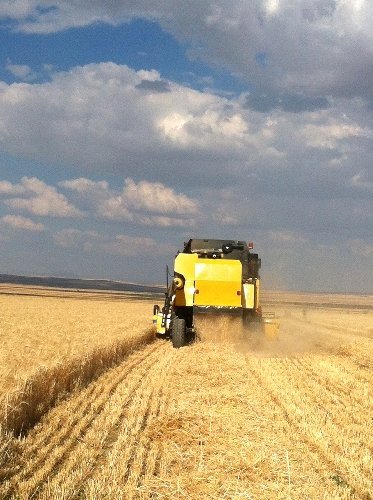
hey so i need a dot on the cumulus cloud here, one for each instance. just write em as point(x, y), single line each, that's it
point(188, 137)
point(21, 71)
point(23, 223)
point(38, 198)
point(248, 38)
point(156, 197)
point(7, 188)
point(326, 136)
point(83, 185)
point(95, 118)
point(144, 203)
point(127, 128)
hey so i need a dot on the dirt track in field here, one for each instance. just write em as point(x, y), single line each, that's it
point(232, 419)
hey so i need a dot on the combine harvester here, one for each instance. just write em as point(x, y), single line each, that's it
point(212, 276)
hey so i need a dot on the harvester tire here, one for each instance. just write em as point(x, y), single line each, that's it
point(247, 317)
point(178, 334)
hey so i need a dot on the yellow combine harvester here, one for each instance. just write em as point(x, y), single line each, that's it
point(219, 276)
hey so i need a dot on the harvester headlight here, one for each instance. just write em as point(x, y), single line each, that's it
point(179, 283)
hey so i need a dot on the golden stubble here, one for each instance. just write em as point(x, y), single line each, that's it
point(228, 417)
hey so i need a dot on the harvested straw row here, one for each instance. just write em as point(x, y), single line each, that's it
point(55, 456)
point(23, 408)
point(118, 438)
point(9, 453)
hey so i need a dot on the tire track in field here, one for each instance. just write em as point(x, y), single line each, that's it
point(344, 417)
point(225, 431)
point(111, 428)
point(80, 470)
point(291, 423)
point(133, 447)
point(80, 412)
point(293, 415)
point(145, 453)
point(153, 452)
point(81, 403)
point(322, 373)
point(329, 409)
point(156, 449)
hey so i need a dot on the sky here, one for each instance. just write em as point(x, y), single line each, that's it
point(127, 128)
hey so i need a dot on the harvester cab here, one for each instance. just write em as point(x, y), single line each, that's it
point(211, 276)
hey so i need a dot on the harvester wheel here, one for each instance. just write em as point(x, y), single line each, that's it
point(247, 317)
point(178, 334)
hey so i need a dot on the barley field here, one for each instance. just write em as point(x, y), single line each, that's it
point(92, 406)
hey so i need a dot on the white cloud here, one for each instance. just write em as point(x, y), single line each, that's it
point(7, 188)
point(18, 9)
point(320, 56)
point(327, 136)
point(144, 203)
point(126, 128)
point(360, 181)
point(20, 71)
point(207, 129)
point(23, 223)
point(123, 245)
point(271, 7)
point(157, 198)
point(38, 198)
point(83, 185)
point(95, 118)
point(56, 122)
point(74, 238)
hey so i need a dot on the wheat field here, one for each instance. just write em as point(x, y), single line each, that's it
point(118, 414)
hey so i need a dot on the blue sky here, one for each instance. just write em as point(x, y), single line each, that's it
point(126, 130)
point(138, 43)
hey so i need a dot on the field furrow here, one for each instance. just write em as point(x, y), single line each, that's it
point(317, 418)
point(124, 423)
point(81, 407)
point(150, 464)
point(66, 427)
point(242, 431)
point(338, 399)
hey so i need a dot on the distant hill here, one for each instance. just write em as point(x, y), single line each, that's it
point(77, 283)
